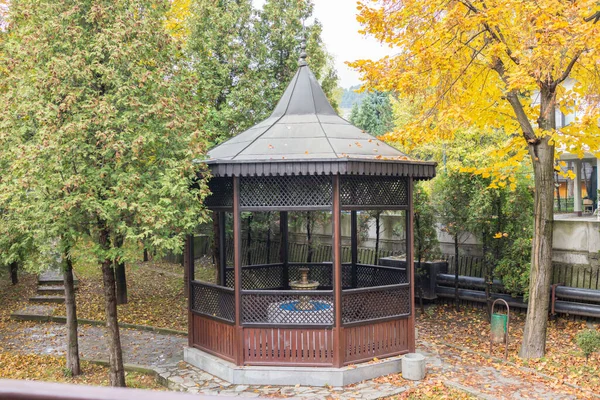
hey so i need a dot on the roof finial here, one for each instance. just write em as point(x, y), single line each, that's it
point(302, 59)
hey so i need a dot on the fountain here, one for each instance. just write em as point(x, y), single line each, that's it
point(302, 309)
point(304, 304)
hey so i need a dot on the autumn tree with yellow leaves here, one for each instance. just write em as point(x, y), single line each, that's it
point(497, 65)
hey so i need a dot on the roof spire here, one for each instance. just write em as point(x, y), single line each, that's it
point(302, 59)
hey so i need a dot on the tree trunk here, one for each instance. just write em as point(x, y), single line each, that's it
point(145, 255)
point(309, 237)
point(534, 336)
point(72, 342)
point(121, 281)
point(120, 276)
point(215, 242)
point(487, 274)
point(115, 354)
point(542, 158)
point(14, 272)
point(456, 272)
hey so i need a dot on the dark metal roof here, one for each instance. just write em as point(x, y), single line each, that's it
point(305, 129)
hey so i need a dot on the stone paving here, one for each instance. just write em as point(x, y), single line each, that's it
point(148, 349)
point(185, 377)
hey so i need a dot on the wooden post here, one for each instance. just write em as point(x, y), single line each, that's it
point(188, 251)
point(222, 250)
point(410, 261)
point(338, 334)
point(354, 246)
point(283, 251)
point(238, 353)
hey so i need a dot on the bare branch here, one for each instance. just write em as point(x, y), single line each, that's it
point(567, 71)
point(496, 34)
point(594, 17)
point(513, 98)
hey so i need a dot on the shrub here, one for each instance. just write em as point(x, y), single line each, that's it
point(588, 341)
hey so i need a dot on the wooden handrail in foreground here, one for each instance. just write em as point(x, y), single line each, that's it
point(32, 390)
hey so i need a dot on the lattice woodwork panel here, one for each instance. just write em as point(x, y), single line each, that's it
point(213, 336)
point(286, 191)
point(382, 339)
point(319, 273)
point(374, 304)
point(346, 276)
point(262, 277)
point(258, 277)
point(213, 301)
point(229, 277)
point(222, 193)
point(369, 276)
point(373, 191)
point(268, 346)
point(283, 308)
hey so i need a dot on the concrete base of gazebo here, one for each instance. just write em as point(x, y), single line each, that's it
point(304, 376)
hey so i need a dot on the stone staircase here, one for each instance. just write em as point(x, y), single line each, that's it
point(50, 288)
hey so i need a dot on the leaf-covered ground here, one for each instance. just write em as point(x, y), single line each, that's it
point(154, 289)
point(460, 339)
point(14, 365)
point(467, 334)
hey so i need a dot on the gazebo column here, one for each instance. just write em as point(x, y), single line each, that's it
point(577, 188)
point(222, 250)
point(283, 250)
point(354, 246)
point(189, 261)
point(338, 334)
point(238, 353)
point(410, 258)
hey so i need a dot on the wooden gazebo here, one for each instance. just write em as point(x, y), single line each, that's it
point(305, 157)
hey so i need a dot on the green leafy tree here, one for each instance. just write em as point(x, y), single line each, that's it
point(514, 239)
point(244, 58)
point(452, 194)
point(98, 132)
point(374, 115)
point(426, 244)
point(279, 31)
point(220, 48)
point(351, 97)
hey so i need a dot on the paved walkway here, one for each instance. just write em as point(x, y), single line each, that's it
point(139, 347)
point(163, 353)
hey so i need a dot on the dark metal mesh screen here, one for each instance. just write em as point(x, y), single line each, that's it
point(280, 308)
point(273, 277)
point(286, 191)
point(360, 305)
point(258, 277)
point(222, 193)
point(369, 276)
point(373, 191)
point(213, 301)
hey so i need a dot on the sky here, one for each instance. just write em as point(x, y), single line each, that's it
point(341, 37)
